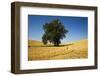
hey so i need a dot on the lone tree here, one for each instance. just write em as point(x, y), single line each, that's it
point(54, 31)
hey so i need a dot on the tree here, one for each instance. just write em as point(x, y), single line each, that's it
point(54, 31)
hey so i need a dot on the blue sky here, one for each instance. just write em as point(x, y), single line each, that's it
point(77, 27)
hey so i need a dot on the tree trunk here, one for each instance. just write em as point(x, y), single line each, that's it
point(56, 44)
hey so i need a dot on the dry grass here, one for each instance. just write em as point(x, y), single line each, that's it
point(75, 50)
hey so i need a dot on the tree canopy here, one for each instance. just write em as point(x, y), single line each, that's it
point(54, 32)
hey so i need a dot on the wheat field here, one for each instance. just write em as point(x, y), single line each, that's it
point(73, 50)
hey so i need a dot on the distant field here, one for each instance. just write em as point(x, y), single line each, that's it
point(74, 50)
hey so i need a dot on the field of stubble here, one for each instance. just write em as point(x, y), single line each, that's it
point(74, 50)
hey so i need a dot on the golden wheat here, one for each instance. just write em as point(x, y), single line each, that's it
point(74, 50)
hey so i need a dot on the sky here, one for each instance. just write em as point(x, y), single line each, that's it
point(77, 27)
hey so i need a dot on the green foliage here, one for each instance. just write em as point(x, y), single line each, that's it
point(44, 39)
point(54, 32)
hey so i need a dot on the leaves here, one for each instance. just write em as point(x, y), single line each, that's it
point(54, 32)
